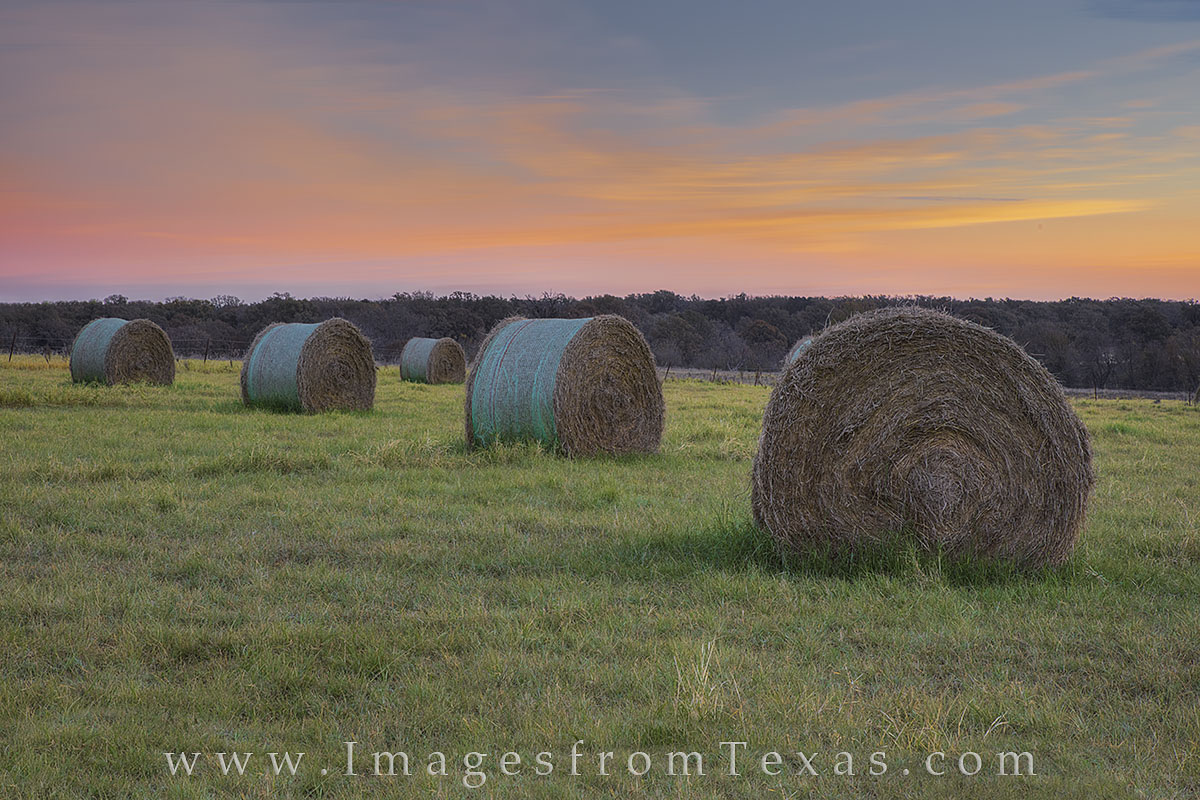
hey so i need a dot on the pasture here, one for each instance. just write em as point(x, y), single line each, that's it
point(179, 573)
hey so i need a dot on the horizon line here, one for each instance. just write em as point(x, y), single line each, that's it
point(694, 297)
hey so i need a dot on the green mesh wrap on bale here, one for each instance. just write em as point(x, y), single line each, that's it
point(270, 367)
point(583, 386)
point(796, 350)
point(433, 361)
point(310, 367)
point(90, 348)
point(513, 380)
point(110, 350)
point(908, 424)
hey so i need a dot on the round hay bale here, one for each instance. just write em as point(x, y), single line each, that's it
point(584, 386)
point(433, 361)
point(310, 367)
point(906, 422)
point(110, 350)
point(798, 348)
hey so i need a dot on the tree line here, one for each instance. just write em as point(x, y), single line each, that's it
point(1114, 343)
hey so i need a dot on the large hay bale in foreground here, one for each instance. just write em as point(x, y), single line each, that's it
point(585, 386)
point(310, 367)
point(111, 350)
point(909, 422)
point(433, 361)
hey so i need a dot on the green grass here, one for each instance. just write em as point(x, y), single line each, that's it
point(180, 573)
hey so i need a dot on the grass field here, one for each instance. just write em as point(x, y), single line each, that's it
point(178, 573)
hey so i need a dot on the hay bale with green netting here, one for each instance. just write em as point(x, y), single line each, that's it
point(583, 386)
point(433, 361)
point(310, 367)
point(798, 348)
point(908, 423)
point(110, 350)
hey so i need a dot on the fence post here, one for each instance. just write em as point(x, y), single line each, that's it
point(12, 346)
point(206, 344)
point(47, 354)
point(756, 373)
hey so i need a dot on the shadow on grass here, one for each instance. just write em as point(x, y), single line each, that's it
point(455, 452)
point(737, 544)
point(234, 406)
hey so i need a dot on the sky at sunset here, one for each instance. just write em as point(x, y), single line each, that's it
point(1030, 148)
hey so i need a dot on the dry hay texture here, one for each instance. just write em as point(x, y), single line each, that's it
point(909, 422)
point(310, 367)
point(583, 386)
point(433, 361)
point(110, 350)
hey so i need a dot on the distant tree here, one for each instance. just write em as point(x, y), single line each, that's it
point(765, 344)
point(724, 350)
point(666, 354)
point(1047, 342)
point(1104, 362)
point(1182, 352)
point(661, 302)
point(686, 332)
